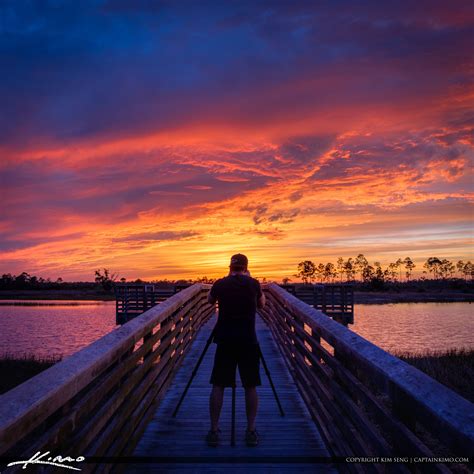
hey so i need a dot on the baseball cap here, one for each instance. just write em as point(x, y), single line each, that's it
point(239, 260)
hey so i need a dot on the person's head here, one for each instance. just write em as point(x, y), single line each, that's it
point(238, 263)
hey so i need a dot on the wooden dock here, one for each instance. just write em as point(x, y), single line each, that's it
point(334, 300)
point(133, 299)
point(179, 442)
point(345, 398)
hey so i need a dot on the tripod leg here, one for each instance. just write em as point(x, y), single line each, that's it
point(282, 413)
point(208, 343)
point(232, 435)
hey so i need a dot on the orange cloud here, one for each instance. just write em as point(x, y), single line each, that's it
point(322, 139)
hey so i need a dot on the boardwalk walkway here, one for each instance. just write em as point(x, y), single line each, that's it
point(114, 398)
point(289, 444)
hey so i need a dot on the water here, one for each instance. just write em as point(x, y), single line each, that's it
point(63, 327)
point(416, 327)
point(47, 328)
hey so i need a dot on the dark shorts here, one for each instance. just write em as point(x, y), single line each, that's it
point(226, 360)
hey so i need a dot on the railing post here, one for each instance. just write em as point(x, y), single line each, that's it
point(146, 337)
point(125, 307)
point(400, 403)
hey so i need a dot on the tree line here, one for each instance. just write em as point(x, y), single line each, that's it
point(104, 280)
point(359, 268)
point(350, 270)
point(26, 281)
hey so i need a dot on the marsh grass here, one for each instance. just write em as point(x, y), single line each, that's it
point(15, 369)
point(453, 368)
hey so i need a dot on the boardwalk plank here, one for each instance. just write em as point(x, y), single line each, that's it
point(287, 444)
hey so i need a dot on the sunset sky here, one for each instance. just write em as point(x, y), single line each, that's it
point(158, 138)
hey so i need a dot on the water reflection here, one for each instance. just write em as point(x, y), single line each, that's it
point(60, 328)
point(416, 327)
point(63, 327)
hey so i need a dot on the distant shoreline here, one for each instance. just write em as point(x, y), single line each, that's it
point(55, 295)
point(366, 297)
point(360, 297)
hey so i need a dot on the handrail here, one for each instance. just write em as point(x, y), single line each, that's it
point(349, 383)
point(95, 401)
point(365, 401)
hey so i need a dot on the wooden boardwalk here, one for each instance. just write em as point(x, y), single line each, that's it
point(114, 398)
point(287, 444)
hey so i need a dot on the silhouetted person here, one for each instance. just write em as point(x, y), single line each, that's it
point(238, 295)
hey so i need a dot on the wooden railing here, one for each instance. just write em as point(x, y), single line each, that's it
point(97, 401)
point(364, 400)
point(333, 299)
point(131, 299)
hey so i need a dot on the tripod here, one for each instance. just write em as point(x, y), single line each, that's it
point(195, 370)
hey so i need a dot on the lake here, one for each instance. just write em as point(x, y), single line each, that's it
point(416, 327)
point(47, 328)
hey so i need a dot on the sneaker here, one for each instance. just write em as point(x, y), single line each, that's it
point(251, 438)
point(212, 438)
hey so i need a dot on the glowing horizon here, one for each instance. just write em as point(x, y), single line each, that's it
point(156, 142)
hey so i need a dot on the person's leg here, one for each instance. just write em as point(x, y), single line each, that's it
point(249, 365)
point(215, 405)
point(251, 406)
point(223, 375)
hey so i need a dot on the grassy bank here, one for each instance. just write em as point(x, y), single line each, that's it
point(454, 368)
point(15, 370)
